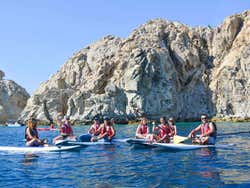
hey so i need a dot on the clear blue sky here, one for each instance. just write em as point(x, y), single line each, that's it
point(37, 37)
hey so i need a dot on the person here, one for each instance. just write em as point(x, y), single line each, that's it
point(162, 132)
point(93, 131)
point(31, 134)
point(105, 131)
point(208, 132)
point(172, 126)
point(142, 130)
point(66, 131)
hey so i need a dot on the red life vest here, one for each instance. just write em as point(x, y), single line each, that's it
point(143, 129)
point(205, 128)
point(164, 130)
point(66, 129)
point(108, 130)
point(96, 126)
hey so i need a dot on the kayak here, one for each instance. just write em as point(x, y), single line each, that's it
point(180, 147)
point(46, 129)
point(38, 149)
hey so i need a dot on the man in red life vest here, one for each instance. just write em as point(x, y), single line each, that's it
point(208, 132)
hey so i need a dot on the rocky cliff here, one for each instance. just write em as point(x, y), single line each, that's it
point(162, 68)
point(13, 99)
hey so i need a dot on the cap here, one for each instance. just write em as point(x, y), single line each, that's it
point(106, 118)
point(96, 118)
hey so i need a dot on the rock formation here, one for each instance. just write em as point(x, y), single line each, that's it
point(13, 99)
point(162, 68)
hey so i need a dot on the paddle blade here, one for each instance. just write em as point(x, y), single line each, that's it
point(180, 139)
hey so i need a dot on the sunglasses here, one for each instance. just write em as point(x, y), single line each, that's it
point(203, 118)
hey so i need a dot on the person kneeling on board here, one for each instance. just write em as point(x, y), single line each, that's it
point(66, 131)
point(106, 131)
point(163, 132)
point(208, 132)
point(31, 134)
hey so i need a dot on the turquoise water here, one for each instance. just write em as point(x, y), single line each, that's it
point(122, 165)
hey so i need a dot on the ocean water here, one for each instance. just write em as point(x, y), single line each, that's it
point(122, 165)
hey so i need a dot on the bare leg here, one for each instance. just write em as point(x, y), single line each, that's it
point(204, 140)
point(140, 136)
point(33, 142)
point(57, 138)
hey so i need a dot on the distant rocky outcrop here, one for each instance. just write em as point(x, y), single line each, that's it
point(162, 68)
point(13, 99)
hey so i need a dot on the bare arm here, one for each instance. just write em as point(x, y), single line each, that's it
point(100, 128)
point(138, 130)
point(113, 132)
point(147, 130)
point(163, 138)
point(29, 135)
point(194, 131)
point(175, 130)
point(102, 135)
point(91, 129)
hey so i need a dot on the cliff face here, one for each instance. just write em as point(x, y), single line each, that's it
point(162, 68)
point(13, 99)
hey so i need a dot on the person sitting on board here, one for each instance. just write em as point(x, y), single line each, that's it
point(142, 131)
point(94, 130)
point(66, 131)
point(208, 132)
point(105, 131)
point(172, 126)
point(31, 134)
point(162, 132)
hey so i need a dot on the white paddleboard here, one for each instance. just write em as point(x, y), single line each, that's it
point(136, 141)
point(139, 142)
point(14, 125)
point(76, 143)
point(170, 146)
point(38, 149)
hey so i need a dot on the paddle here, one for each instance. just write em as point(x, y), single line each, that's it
point(179, 139)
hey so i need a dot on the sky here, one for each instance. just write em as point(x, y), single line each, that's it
point(38, 36)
